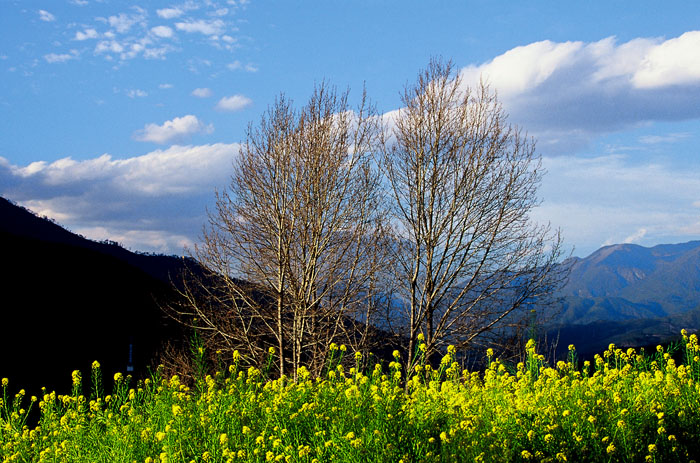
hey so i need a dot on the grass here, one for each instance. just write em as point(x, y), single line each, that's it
point(622, 407)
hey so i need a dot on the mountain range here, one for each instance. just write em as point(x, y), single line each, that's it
point(68, 300)
point(629, 295)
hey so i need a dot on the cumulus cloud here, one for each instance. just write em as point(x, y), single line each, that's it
point(202, 26)
point(155, 202)
point(174, 130)
point(202, 92)
point(233, 103)
point(46, 16)
point(566, 93)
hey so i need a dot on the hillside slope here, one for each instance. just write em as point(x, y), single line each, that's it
point(68, 301)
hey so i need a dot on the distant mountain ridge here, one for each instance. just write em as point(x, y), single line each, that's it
point(627, 281)
point(628, 295)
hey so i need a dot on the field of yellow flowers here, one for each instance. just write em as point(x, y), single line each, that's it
point(622, 407)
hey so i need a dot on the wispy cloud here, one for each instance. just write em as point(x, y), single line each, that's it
point(613, 199)
point(61, 57)
point(154, 202)
point(234, 103)
point(134, 93)
point(657, 139)
point(123, 22)
point(202, 92)
point(170, 13)
point(177, 129)
point(46, 16)
point(202, 26)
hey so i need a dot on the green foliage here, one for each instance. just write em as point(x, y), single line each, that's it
point(622, 407)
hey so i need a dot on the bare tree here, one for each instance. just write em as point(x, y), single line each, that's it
point(463, 183)
point(295, 243)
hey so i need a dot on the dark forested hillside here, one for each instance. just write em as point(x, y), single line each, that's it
point(68, 301)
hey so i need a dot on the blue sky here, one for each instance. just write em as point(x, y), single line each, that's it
point(120, 119)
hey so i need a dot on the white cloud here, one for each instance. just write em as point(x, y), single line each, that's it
point(61, 57)
point(165, 86)
point(211, 27)
point(234, 103)
point(162, 31)
point(154, 202)
point(46, 16)
point(79, 2)
point(169, 13)
point(202, 92)
point(673, 62)
point(87, 34)
point(567, 93)
point(174, 130)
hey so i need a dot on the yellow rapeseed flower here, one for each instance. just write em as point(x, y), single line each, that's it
point(76, 377)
